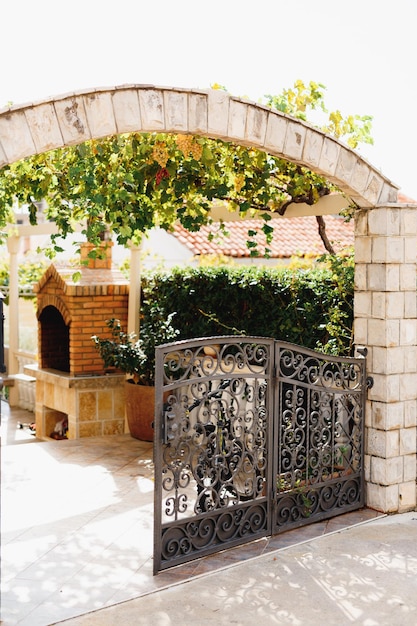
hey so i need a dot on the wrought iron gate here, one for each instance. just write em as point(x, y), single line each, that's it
point(252, 437)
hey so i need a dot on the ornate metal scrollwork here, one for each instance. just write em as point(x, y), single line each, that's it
point(216, 529)
point(215, 427)
point(320, 436)
point(313, 368)
point(306, 503)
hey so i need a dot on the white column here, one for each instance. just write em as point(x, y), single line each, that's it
point(134, 289)
point(13, 246)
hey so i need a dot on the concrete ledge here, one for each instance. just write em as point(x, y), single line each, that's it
point(23, 378)
point(8, 381)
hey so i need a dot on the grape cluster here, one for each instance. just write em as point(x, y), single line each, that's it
point(239, 182)
point(184, 143)
point(188, 145)
point(160, 154)
point(162, 173)
point(196, 150)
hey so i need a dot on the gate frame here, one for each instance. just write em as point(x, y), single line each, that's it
point(355, 376)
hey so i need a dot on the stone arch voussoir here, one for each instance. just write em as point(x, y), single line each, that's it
point(71, 119)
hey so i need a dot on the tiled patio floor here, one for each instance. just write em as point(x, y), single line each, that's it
point(77, 526)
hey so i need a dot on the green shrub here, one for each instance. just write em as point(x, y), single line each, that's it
point(313, 308)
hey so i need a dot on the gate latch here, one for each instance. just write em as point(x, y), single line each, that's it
point(169, 425)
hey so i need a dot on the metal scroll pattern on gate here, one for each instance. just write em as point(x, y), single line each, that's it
point(214, 457)
point(320, 437)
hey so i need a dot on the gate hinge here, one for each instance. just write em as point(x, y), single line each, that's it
point(369, 382)
point(362, 350)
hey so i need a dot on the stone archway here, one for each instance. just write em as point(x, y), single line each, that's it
point(73, 118)
point(385, 231)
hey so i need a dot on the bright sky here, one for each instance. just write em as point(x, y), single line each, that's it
point(363, 51)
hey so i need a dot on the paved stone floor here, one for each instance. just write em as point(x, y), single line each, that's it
point(363, 575)
point(77, 526)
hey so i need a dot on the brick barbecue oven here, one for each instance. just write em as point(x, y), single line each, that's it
point(71, 383)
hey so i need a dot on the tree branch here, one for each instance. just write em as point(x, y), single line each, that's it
point(307, 198)
point(323, 235)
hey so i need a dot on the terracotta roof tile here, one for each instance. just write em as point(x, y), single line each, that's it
point(405, 199)
point(292, 236)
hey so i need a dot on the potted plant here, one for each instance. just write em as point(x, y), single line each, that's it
point(136, 358)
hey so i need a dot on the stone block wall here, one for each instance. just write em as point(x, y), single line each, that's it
point(385, 322)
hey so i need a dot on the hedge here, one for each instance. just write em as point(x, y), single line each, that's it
point(312, 308)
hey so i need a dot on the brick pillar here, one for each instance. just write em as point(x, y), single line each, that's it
point(385, 322)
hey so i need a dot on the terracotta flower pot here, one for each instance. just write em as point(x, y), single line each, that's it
point(140, 410)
